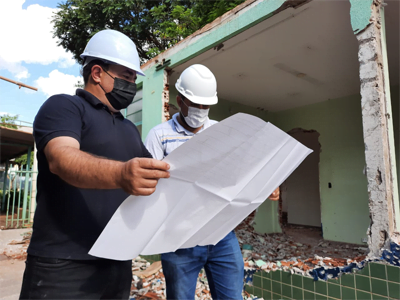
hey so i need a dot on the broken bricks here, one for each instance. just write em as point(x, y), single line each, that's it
point(153, 287)
point(271, 252)
point(149, 282)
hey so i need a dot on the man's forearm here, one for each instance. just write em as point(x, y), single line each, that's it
point(138, 176)
point(84, 170)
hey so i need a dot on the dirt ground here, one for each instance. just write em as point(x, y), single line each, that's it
point(12, 221)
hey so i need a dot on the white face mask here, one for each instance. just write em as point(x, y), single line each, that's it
point(196, 117)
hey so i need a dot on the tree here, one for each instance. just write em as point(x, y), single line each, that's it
point(8, 121)
point(23, 160)
point(154, 26)
point(208, 11)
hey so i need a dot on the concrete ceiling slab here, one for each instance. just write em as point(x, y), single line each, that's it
point(298, 57)
point(14, 143)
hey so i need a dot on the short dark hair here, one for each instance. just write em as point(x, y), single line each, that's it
point(87, 70)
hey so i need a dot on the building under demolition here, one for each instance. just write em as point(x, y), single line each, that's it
point(327, 73)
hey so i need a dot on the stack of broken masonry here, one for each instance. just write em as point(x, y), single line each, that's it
point(280, 252)
point(149, 282)
point(270, 252)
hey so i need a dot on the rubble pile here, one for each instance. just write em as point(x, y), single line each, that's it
point(270, 252)
point(149, 282)
point(17, 249)
point(279, 251)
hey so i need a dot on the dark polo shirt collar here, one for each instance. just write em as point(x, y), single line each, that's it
point(95, 102)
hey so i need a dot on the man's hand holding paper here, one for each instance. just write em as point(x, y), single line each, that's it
point(216, 179)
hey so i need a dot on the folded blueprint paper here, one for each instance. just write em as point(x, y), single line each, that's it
point(217, 179)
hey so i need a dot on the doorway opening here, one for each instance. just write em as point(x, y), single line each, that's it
point(300, 202)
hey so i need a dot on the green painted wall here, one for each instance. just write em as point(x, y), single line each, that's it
point(338, 121)
point(153, 84)
point(342, 160)
point(360, 13)
point(267, 218)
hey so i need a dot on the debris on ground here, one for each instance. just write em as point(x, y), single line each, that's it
point(17, 249)
point(279, 251)
point(149, 282)
point(269, 252)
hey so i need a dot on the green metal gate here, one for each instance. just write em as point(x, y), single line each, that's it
point(18, 202)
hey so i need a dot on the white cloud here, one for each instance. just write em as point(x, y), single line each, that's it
point(26, 36)
point(19, 71)
point(58, 83)
point(66, 63)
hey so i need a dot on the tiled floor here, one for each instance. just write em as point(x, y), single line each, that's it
point(375, 281)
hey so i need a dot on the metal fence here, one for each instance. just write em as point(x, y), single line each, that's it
point(18, 199)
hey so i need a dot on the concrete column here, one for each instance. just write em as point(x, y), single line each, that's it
point(378, 132)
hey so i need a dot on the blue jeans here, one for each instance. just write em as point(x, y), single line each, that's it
point(223, 264)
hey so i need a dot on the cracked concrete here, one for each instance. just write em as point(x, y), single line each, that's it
point(165, 97)
point(376, 133)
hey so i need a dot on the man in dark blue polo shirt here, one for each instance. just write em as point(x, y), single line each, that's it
point(90, 160)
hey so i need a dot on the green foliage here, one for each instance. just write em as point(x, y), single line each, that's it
point(23, 160)
point(9, 121)
point(154, 26)
point(208, 11)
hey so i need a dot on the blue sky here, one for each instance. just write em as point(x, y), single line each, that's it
point(29, 54)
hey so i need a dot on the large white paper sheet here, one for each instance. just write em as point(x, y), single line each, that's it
point(217, 179)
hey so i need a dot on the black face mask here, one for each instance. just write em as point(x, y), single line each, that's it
point(122, 94)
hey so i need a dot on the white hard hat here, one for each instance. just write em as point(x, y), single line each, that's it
point(198, 84)
point(113, 47)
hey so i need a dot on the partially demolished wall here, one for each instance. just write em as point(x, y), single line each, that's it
point(376, 125)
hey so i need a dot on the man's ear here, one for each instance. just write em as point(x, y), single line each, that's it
point(96, 73)
point(179, 100)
